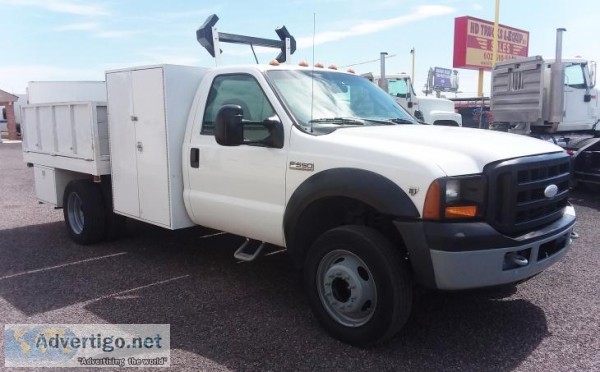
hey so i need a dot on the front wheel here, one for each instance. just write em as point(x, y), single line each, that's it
point(84, 212)
point(358, 285)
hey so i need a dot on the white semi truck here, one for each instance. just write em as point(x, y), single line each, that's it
point(429, 109)
point(552, 99)
point(367, 201)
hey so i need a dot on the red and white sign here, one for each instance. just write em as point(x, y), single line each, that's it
point(473, 40)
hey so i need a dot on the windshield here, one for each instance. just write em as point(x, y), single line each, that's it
point(337, 100)
point(398, 87)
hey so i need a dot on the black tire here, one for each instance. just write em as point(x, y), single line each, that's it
point(84, 212)
point(386, 269)
point(500, 127)
point(115, 225)
point(590, 187)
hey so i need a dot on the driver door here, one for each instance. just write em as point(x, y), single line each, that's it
point(577, 111)
point(399, 89)
point(239, 189)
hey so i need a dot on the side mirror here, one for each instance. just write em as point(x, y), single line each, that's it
point(587, 97)
point(410, 104)
point(275, 128)
point(229, 130)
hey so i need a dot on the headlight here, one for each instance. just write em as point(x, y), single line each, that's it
point(452, 190)
point(455, 198)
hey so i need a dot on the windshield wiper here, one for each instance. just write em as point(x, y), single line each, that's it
point(391, 121)
point(339, 120)
point(402, 121)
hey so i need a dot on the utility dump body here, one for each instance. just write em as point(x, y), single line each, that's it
point(519, 91)
point(63, 141)
point(65, 91)
point(366, 200)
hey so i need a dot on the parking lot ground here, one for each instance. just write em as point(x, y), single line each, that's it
point(226, 315)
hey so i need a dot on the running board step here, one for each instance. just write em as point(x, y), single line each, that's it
point(249, 250)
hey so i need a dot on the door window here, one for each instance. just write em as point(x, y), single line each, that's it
point(242, 90)
point(574, 76)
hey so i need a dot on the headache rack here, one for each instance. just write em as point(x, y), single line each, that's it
point(208, 36)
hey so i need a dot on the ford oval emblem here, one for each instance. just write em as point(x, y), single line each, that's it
point(550, 191)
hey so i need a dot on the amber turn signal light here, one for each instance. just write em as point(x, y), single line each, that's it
point(461, 212)
point(431, 208)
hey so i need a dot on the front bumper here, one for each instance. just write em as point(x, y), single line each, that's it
point(455, 256)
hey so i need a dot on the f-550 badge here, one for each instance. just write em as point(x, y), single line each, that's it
point(297, 165)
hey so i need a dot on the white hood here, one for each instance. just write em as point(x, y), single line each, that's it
point(455, 151)
point(427, 103)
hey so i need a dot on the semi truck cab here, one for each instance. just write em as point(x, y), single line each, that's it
point(431, 110)
point(580, 96)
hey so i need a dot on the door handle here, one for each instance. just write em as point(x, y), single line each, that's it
point(195, 158)
point(140, 146)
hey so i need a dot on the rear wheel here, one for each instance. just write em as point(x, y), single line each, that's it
point(358, 285)
point(84, 212)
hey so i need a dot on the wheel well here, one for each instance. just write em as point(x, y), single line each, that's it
point(327, 213)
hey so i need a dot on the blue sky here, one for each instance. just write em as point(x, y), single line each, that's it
point(79, 40)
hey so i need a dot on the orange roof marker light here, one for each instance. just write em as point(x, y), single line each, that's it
point(319, 65)
point(332, 67)
point(303, 63)
point(351, 70)
point(274, 62)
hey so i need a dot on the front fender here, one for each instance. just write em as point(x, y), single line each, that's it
point(368, 187)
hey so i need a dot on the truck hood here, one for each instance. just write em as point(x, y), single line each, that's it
point(427, 103)
point(455, 151)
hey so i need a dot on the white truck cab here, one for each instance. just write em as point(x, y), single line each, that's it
point(367, 201)
point(429, 109)
point(580, 94)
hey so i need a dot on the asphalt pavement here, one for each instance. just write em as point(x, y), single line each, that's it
point(226, 315)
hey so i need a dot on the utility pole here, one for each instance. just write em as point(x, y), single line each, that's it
point(495, 39)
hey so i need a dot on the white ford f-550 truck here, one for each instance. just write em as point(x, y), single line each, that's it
point(367, 201)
